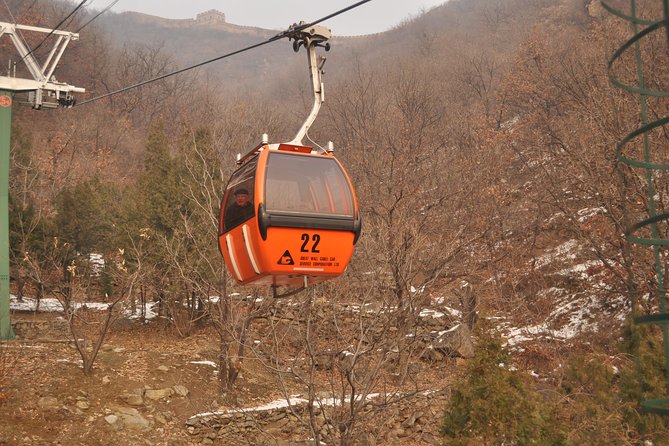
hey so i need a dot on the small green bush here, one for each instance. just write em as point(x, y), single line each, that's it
point(496, 405)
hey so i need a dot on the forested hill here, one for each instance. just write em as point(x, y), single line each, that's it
point(189, 42)
point(480, 137)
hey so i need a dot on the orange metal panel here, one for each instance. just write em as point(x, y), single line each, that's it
point(306, 251)
point(294, 148)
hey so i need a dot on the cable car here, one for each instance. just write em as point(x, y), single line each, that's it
point(289, 216)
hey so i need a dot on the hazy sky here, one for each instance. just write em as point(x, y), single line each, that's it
point(375, 16)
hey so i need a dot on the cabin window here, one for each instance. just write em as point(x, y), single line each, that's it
point(306, 184)
point(239, 200)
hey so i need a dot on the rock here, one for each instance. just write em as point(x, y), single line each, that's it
point(158, 394)
point(132, 399)
point(111, 419)
point(83, 405)
point(408, 422)
point(180, 390)
point(47, 402)
point(323, 360)
point(401, 433)
point(430, 439)
point(346, 360)
point(106, 380)
point(595, 9)
point(430, 354)
point(163, 368)
point(132, 419)
point(160, 418)
point(456, 341)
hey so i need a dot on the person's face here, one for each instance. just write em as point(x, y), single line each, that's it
point(242, 199)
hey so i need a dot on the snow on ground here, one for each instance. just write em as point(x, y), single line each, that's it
point(210, 363)
point(573, 313)
point(51, 305)
point(585, 214)
point(431, 313)
point(565, 251)
point(285, 403)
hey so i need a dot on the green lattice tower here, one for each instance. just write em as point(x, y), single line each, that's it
point(647, 231)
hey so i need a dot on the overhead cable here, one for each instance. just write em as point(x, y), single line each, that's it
point(79, 6)
point(9, 10)
point(284, 34)
point(111, 5)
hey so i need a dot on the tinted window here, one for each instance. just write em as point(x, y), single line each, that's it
point(306, 184)
point(240, 206)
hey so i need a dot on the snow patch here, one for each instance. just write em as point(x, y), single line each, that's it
point(209, 363)
point(564, 251)
point(585, 214)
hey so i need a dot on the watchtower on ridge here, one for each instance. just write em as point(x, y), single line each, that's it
point(211, 17)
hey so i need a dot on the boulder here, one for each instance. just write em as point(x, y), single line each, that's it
point(456, 341)
point(180, 390)
point(132, 419)
point(159, 394)
point(132, 399)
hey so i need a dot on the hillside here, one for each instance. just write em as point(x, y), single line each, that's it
point(188, 43)
point(492, 279)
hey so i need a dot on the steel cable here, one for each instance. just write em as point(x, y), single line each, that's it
point(74, 11)
point(111, 5)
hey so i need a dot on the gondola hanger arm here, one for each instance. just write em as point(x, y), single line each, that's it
point(311, 38)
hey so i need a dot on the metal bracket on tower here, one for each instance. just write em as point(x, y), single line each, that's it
point(44, 91)
point(311, 38)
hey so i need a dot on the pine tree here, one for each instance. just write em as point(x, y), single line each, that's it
point(86, 215)
point(495, 404)
point(160, 201)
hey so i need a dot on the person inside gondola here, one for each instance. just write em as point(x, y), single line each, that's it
point(240, 210)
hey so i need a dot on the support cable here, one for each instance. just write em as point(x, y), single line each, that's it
point(15, 22)
point(293, 30)
point(74, 11)
point(111, 5)
point(652, 171)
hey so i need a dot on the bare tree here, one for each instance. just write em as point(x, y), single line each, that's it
point(89, 330)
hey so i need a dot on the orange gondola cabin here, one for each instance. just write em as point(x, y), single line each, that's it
point(289, 217)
